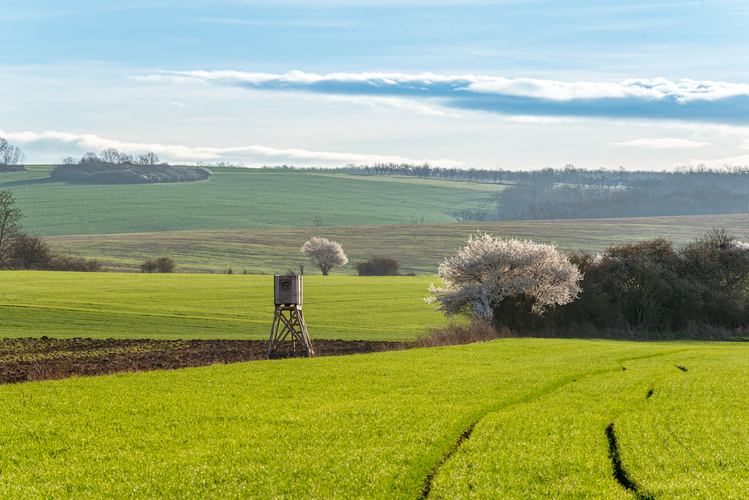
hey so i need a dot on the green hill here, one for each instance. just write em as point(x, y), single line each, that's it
point(418, 247)
point(237, 198)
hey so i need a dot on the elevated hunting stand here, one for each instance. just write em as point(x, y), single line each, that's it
point(288, 318)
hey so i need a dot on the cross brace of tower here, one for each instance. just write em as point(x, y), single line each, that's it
point(288, 320)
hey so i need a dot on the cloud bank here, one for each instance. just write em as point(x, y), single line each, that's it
point(663, 143)
point(77, 144)
point(689, 100)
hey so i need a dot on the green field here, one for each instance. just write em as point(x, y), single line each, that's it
point(235, 198)
point(513, 418)
point(255, 220)
point(417, 247)
point(535, 414)
point(200, 306)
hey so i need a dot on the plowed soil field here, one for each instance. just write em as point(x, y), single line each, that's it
point(35, 359)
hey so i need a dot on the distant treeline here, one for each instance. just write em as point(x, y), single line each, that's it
point(412, 170)
point(107, 173)
point(115, 167)
point(577, 193)
point(571, 193)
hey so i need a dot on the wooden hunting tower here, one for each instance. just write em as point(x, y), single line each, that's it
point(288, 318)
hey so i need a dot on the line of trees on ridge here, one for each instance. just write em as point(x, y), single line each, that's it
point(572, 193)
point(115, 167)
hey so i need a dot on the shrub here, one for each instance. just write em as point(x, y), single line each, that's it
point(148, 266)
point(378, 266)
point(651, 286)
point(29, 252)
point(32, 252)
point(456, 334)
point(160, 265)
point(64, 262)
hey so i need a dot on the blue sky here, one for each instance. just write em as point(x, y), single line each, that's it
point(519, 85)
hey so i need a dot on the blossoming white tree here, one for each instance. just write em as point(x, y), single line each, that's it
point(324, 254)
point(491, 275)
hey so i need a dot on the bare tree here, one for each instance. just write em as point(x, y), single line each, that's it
point(110, 155)
point(69, 160)
point(324, 254)
point(90, 157)
point(9, 154)
point(29, 252)
point(148, 158)
point(9, 226)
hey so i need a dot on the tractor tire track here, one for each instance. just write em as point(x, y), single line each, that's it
point(426, 484)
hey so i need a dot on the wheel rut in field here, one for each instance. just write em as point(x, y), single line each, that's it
point(427, 487)
point(620, 473)
point(426, 484)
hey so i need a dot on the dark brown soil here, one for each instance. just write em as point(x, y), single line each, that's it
point(35, 359)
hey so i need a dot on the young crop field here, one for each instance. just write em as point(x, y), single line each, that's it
point(417, 247)
point(200, 306)
point(235, 198)
point(513, 418)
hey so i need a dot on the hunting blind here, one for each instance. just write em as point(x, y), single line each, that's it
point(288, 318)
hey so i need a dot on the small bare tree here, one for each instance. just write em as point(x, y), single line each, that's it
point(9, 226)
point(29, 252)
point(90, 157)
point(148, 158)
point(324, 254)
point(9, 154)
point(110, 155)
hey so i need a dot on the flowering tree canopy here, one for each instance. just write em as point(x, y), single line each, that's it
point(324, 254)
point(490, 272)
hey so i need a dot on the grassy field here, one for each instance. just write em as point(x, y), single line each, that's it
point(236, 198)
point(200, 306)
point(418, 247)
point(689, 440)
point(532, 415)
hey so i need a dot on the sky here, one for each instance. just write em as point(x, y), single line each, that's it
point(519, 85)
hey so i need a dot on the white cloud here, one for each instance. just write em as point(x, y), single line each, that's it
point(741, 160)
point(659, 88)
point(687, 100)
point(181, 153)
point(663, 143)
point(540, 120)
point(686, 90)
